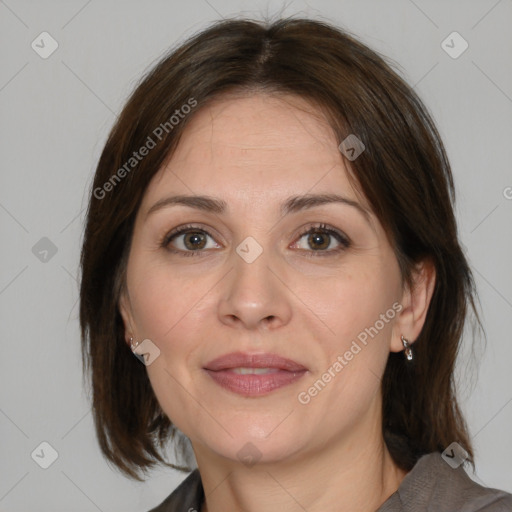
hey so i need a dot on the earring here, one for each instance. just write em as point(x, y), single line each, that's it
point(408, 351)
point(133, 347)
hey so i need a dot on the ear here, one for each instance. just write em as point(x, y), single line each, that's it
point(125, 310)
point(415, 303)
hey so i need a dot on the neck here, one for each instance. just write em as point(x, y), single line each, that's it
point(351, 472)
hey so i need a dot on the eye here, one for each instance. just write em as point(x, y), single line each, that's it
point(192, 240)
point(188, 241)
point(320, 239)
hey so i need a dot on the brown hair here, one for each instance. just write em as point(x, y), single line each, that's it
point(403, 172)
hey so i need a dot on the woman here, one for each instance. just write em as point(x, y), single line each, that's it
point(271, 232)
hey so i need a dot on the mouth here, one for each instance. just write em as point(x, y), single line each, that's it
point(254, 374)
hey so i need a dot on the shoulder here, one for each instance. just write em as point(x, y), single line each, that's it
point(187, 497)
point(433, 484)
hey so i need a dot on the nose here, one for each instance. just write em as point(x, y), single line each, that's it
point(255, 295)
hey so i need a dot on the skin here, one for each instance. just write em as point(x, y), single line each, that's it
point(254, 152)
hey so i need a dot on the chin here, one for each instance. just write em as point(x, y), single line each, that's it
point(251, 445)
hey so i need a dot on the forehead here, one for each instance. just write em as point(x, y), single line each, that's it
point(258, 148)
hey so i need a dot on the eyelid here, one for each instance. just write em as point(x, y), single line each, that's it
point(342, 239)
point(183, 229)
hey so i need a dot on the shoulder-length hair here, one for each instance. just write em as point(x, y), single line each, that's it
point(403, 172)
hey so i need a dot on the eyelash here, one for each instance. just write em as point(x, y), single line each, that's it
point(322, 228)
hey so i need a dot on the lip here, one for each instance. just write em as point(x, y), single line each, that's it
point(244, 360)
point(285, 371)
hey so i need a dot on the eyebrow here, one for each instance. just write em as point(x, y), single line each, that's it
point(291, 205)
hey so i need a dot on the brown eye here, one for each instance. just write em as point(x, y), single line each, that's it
point(319, 240)
point(188, 241)
point(322, 241)
point(194, 240)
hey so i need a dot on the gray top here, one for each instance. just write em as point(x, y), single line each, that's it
point(431, 486)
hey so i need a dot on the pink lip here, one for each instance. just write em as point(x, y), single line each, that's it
point(242, 360)
point(286, 372)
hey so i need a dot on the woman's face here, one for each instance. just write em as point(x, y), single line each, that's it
point(261, 276)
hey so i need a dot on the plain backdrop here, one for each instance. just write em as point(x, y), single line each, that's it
point(55, 115)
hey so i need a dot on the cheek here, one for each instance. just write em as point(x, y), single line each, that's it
point(169, 313)
point(346, 384)
point(358, 311)
point(352, 302)
point(163, 301)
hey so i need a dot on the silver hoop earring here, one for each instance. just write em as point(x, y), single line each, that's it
point(408, 351)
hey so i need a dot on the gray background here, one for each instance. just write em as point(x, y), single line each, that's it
point(55, 116)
